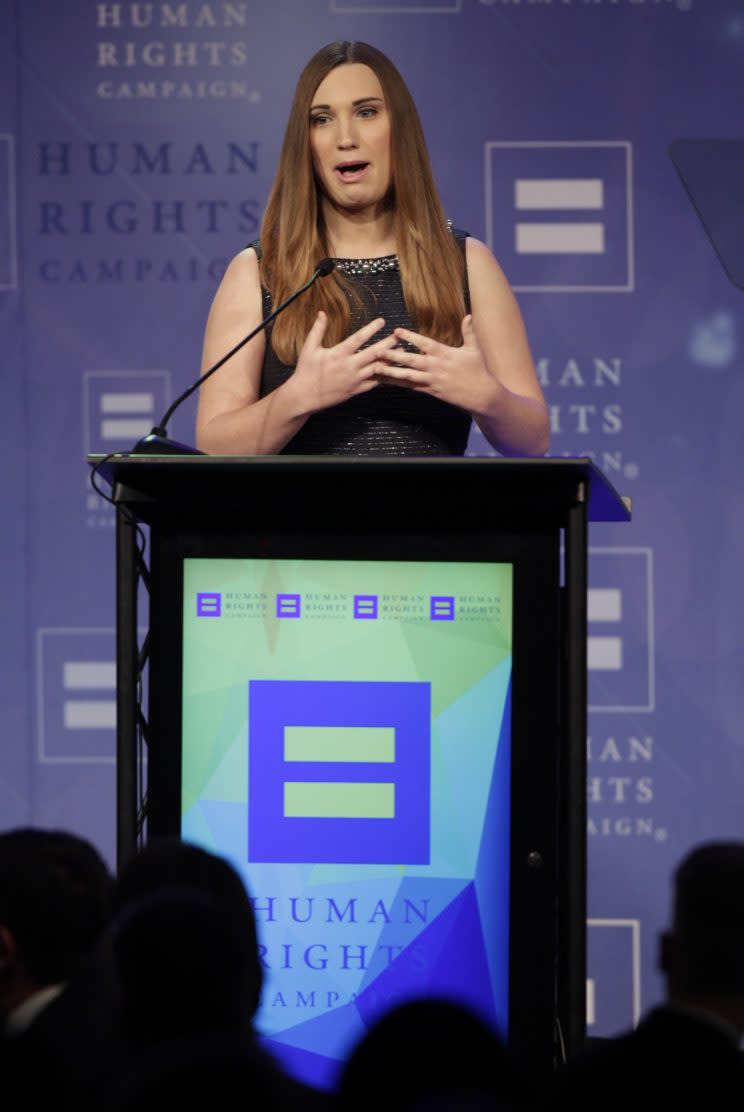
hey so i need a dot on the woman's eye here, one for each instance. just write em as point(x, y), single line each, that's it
point(319, 119)
point(365, 113)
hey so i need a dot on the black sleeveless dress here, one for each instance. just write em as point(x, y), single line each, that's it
point(386, 421)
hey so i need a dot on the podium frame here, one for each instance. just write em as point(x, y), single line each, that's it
point(388, 508)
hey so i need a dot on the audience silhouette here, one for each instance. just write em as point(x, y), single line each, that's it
point(140, 991)
point(57, 995)
point(685, 1052)
point(185, 948)
point(432, 1054)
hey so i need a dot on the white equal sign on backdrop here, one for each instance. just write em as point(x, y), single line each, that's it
point(126, 416)
point(120, 407)
point(553, 237)
point(76, 695)
point(90, 694)
point(621, 639)
point(605, 651)
point(559, 214)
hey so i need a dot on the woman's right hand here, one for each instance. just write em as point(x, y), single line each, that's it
point(326, 376)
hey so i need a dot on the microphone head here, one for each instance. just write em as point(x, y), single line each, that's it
point(324, 267)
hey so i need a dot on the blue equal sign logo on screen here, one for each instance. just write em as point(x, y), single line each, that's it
point(339, 772)
point(365, 606)
point(288, 606)
point(208, 604)
point(442, 608)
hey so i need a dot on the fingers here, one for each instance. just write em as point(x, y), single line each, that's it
point(315, 336)
point(357, 339)
point(400, 356)
point(403, 375)
point(378, 350)
point(423, 343)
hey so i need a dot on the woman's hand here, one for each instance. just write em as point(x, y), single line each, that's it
point(325, 376)
point(457, 375)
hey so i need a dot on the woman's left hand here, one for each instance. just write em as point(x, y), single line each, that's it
point(457, 375)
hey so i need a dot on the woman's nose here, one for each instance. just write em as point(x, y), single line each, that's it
point(347, 135)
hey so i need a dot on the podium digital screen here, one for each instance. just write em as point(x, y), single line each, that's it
point(346, 744)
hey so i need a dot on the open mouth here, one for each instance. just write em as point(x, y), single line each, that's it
point(351, 171)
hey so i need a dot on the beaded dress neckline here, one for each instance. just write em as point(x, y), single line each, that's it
point(358, 267)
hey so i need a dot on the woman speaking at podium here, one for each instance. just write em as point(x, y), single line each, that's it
point(413, 333)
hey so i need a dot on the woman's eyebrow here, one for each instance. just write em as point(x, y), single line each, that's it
point(354, 103)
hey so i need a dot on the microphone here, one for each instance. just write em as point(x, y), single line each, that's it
point(157, 442)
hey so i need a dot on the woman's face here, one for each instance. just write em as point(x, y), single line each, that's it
point(350, 138)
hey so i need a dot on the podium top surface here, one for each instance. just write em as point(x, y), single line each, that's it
point(138, 478)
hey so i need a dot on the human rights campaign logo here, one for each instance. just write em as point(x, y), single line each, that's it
point(76, 696)
point(208, 604)
point(620, 642)
point(559, 215)
point(339, 772)
point(120, 407)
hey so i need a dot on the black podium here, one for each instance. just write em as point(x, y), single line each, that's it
point(531, 516)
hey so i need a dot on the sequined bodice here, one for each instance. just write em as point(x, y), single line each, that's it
point(386, 421)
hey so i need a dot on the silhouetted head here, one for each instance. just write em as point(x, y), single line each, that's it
point(702, 954)
point(440, 1053)
point(185, 944)
point(55, 900)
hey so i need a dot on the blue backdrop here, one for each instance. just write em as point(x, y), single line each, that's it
point(137, 144)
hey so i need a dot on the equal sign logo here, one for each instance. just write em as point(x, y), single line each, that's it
point(604, 652)
point(559, 195)
point(341, 799)
point(208, 604)
point(126, 416)
point(365, 606)
point(90, 688)
point(620, 641)
point(442, 608)
point(339, 772)
point(76, 696)
point(122, 406)
point(288, 606)
point(559, 215)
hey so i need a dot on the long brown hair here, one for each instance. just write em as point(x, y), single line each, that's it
point(293, 236)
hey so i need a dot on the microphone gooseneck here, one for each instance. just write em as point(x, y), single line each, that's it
point(156, 442)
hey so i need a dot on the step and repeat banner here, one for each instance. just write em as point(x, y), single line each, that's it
point(137, 146)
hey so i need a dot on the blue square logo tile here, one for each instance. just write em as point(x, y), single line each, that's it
point(365, 606)
point(442, 608)
point(339, 772)
point(288, 606)
point(208, 604)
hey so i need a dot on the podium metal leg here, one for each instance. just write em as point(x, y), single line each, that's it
point(573, 818)
point(126, 687)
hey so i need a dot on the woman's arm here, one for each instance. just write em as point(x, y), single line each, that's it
point(232, 419)
point(491, 375)
point(513, 416)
